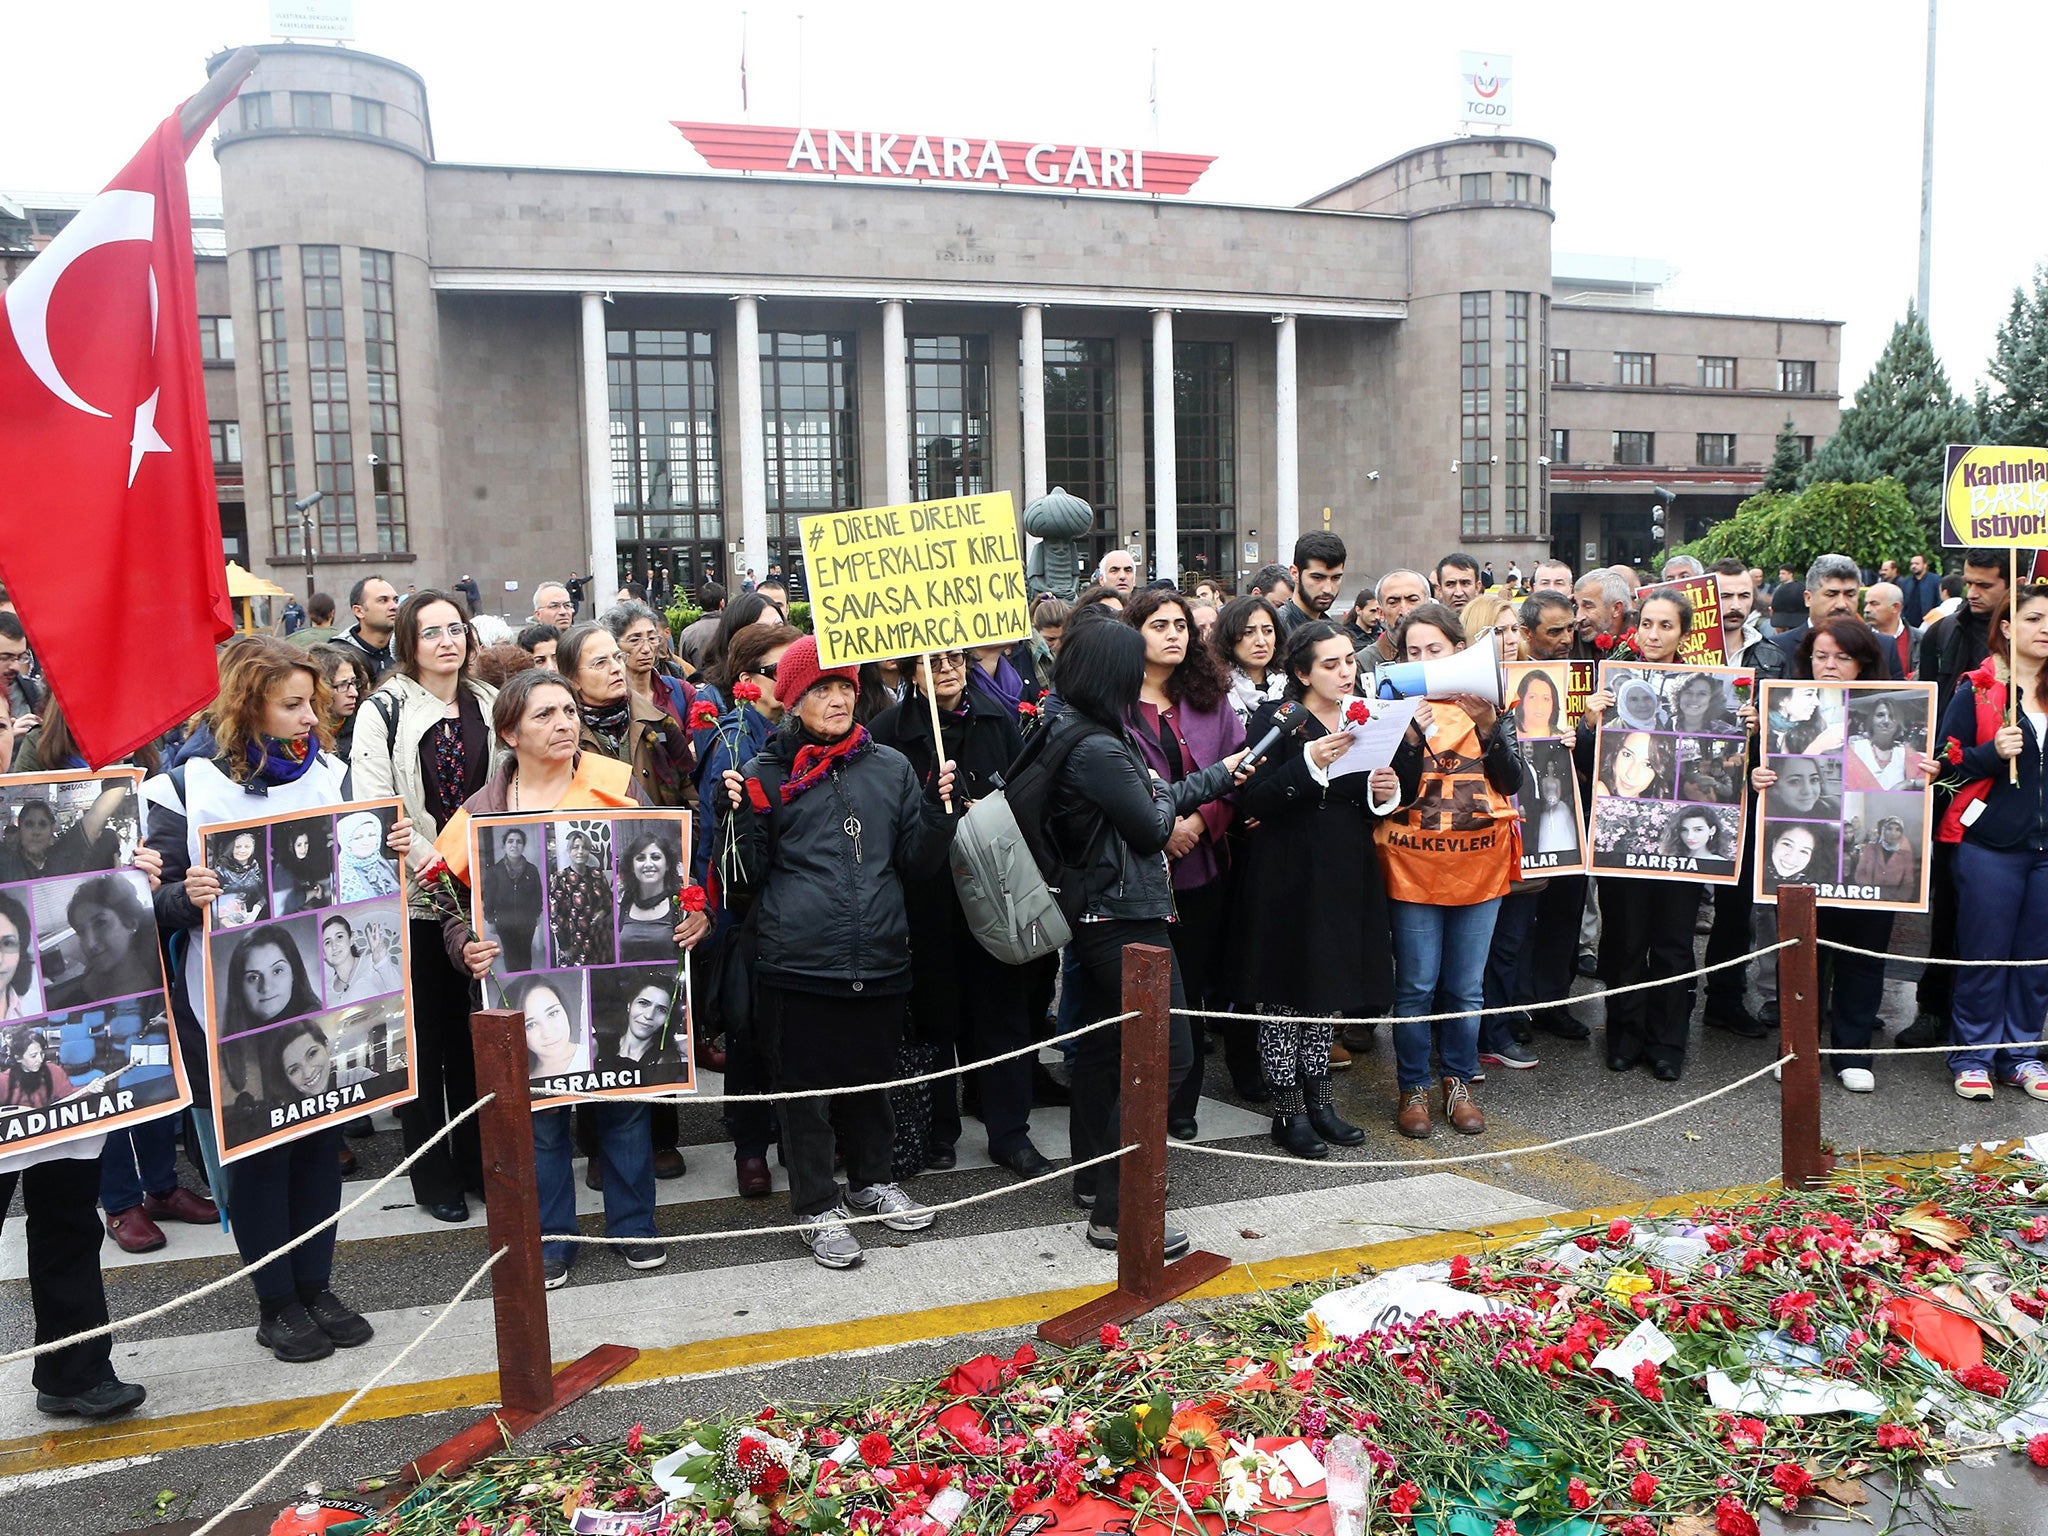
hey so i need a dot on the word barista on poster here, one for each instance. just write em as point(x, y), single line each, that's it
point(1669, 763)
point(1553, 827)
point(583, 906)
point(306, 953)
point(85, 1031)
point(1847, 808)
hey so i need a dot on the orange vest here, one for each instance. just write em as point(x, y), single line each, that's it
point(1458, 843)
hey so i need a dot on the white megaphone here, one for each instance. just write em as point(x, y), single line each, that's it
point(1474, 670)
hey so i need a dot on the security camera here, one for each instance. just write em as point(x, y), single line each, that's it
point(1456, 466)
point(1543, 459)
point(1372, 474)
point(372, 459)
point(1494, 460)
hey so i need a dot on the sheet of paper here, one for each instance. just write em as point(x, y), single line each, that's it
point(1301, 1465)
point(1780, 1392)
point(1373, 743)
point(1646, 1341)
point(1397, 1297)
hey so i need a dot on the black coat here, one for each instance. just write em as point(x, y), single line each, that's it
point(982, 741)
point(830, 912)
point(1308, 927)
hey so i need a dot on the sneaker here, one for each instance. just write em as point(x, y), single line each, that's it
point(1176, 1240)
point(294, 1337)
point(830, 1240)
point(2031, 1078)
point(555, 1272)
point(339, 1321)
point(644, 1255)
point(1973, 1085)
point(109, 1398)
point(1517, 1056)
point(1856, 1079)
point(898, 1211)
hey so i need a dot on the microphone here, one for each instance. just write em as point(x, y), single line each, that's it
point(1287, 719)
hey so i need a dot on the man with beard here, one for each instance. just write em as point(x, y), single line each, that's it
point(1318, 573)
point(1602, 599)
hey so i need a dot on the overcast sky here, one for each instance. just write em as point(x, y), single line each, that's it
point(1770, 152)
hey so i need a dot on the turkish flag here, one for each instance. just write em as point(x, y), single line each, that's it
point(109, 526)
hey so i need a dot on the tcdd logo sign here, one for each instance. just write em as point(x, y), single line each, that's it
point(1484, 89)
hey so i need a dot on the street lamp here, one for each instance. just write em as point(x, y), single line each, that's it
point(304, 507)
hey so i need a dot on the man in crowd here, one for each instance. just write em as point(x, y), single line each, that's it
point(1273, 584)
point(1920, 592)
point(1317, 573)
point(552, 605)
point(319, 628)
point(698, 633)
point(1119, 573)
point(1549, 625)
point(775, 594)
point(1601, 600)
point(1399, 593)
point(1832, 585)
point(1679, 567)
point(1888, 570)
point(472, 594)
point(374, 602)
point(512, 900)
point(1552, 576)
point(24, 693)
point(1883, 606)
point(1457, 580)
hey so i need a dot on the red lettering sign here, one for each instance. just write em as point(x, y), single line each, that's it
point(948, 158)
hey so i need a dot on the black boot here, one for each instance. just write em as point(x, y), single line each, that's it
point(1333, 1127)
point(1292, 1133)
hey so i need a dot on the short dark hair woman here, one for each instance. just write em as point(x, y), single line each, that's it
point(650, 888)
point(115, 937)
point(263, 982)
point(1246, 640)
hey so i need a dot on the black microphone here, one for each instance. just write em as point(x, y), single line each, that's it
point(1287, 719)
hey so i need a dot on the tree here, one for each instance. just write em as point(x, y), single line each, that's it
point(1905, 414)
point(2018, 414)
point(1786, 462)
point(1869, 523)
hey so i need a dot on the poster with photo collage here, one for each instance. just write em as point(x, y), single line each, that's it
point(1669, 762)
point(1553, 826)
point(583, 907)
point(85, 1025)
point(307, 951)
point(1849, 812)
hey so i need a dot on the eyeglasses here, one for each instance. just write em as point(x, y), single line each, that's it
point(347, 685)
point(954, 663)
point(450, 631)
point(766, 669)
point(645, 639)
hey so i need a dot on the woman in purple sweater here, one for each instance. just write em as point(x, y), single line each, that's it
point(1183, 722)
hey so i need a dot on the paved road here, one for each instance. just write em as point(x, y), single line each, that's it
point(732, 1319)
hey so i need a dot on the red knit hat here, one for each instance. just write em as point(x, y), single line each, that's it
point(798, 672)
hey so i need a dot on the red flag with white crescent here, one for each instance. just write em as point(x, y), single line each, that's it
point(109, 524)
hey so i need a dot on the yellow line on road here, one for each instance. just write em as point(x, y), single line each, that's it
point(255, 1421)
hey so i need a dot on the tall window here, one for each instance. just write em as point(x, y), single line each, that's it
point(312, 109)
point(380, 360)
point(808, 426)
point(949, 426)
point(1560, 365)
point(1080, 430)
point(1805, 447)
point(1475, 413)
point(1560, 446)
point(1543, 190)
point(1476, 188)
point(1717, 373)
point(1635, 447)
point(666, 490)
point(1543, 410)
point(334, 466)
point(366, 116)
point(1519, 185)
point(1204, 455)
point(227, 441)
point(256, 110)
point(1515, 415)
point(1795, 378)
point(216, 339)
point(273, 357)
point(1635, 368)
point(1716, 448)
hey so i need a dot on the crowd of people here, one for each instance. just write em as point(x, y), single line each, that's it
point(1300, 901)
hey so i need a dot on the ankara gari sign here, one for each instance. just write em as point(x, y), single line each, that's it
point(925, 576)
point(949, 158)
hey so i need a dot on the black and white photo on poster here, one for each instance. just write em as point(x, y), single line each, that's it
point(513, 885)
point(1669, 763)
point(312, 1068)
point(67, 823)
point(1553, 830)
point(301, 865)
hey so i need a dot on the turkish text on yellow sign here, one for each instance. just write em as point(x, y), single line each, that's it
point(1994, 497)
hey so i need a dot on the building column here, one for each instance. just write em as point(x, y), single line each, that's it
point(1166, 508)
point(895, 404)
point(597, 466)
point(753, 447)
point(1286, 443)
point(1031, 358)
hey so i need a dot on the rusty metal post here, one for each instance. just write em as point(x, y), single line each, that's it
point(1144, 1279)
point(1800, 1163)
point(519, 1296)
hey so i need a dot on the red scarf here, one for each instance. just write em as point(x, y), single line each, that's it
point(812, 763)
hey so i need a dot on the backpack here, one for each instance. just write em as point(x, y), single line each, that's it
point(1021, 898)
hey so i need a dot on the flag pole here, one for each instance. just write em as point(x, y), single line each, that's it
point(219, 90)
point(2012, 653)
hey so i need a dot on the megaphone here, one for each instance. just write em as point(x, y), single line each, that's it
point(1474, 670)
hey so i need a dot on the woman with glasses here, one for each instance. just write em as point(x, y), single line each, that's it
point(643, 646)
point(425, 737)
point(349, 683)
point(620, 723)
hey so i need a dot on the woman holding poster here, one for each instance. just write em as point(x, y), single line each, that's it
point(2000, 826)
point(536, 717)
point(270, 729)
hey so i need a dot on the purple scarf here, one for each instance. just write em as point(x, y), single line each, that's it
point(1006, 687)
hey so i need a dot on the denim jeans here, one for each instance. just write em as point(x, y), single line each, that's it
point(1506, 960)
point(142, 1160)
point(2001, 914)
point(625, 1146)
point(1439, 957)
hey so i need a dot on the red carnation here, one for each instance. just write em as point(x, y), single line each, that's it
point(1984, 1379)
point(1643, 1488)
point(1635, 1525)
point(1952, 752)
point(1027, 709)
point(633, 1437)
point(703, 715)
point(1603, 643)
point(1731, 1519)
point(746, 692)
point(1504, 1527)
point(1618, 1230)
point(1645, 1377)
point(1793, 1482)
point(1898, 1437)
point(1111, 1337)
point(2037, 1450)
point(1461, 1265)
point(1577, 1494)
point(771, 1481)
point(874, 1448)
point(1402, 1500)
point(1742, 682)
point(1358, 712)
point(693, 898)
point(1629, 639)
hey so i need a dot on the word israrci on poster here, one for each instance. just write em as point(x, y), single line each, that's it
point(1670, 760)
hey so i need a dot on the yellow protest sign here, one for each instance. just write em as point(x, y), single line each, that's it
point(924, 576)
point(1994, 497)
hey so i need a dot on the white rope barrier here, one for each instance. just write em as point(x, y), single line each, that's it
point(825, 1093)
point(247, 1269)
point(1488, 1013)
point(851, 1221)
point(1925, 1050)
point(1484, 1157)
point(1878, 954)
point(242, 1500)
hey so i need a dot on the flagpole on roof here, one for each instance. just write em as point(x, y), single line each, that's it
point(745, 111)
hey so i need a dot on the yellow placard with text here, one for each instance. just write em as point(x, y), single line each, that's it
point(925, 576)
point(1994, 497)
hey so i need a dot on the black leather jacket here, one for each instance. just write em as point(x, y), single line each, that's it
point(1105, 788)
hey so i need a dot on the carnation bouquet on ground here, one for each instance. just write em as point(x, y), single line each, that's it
point(1821, 1352)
